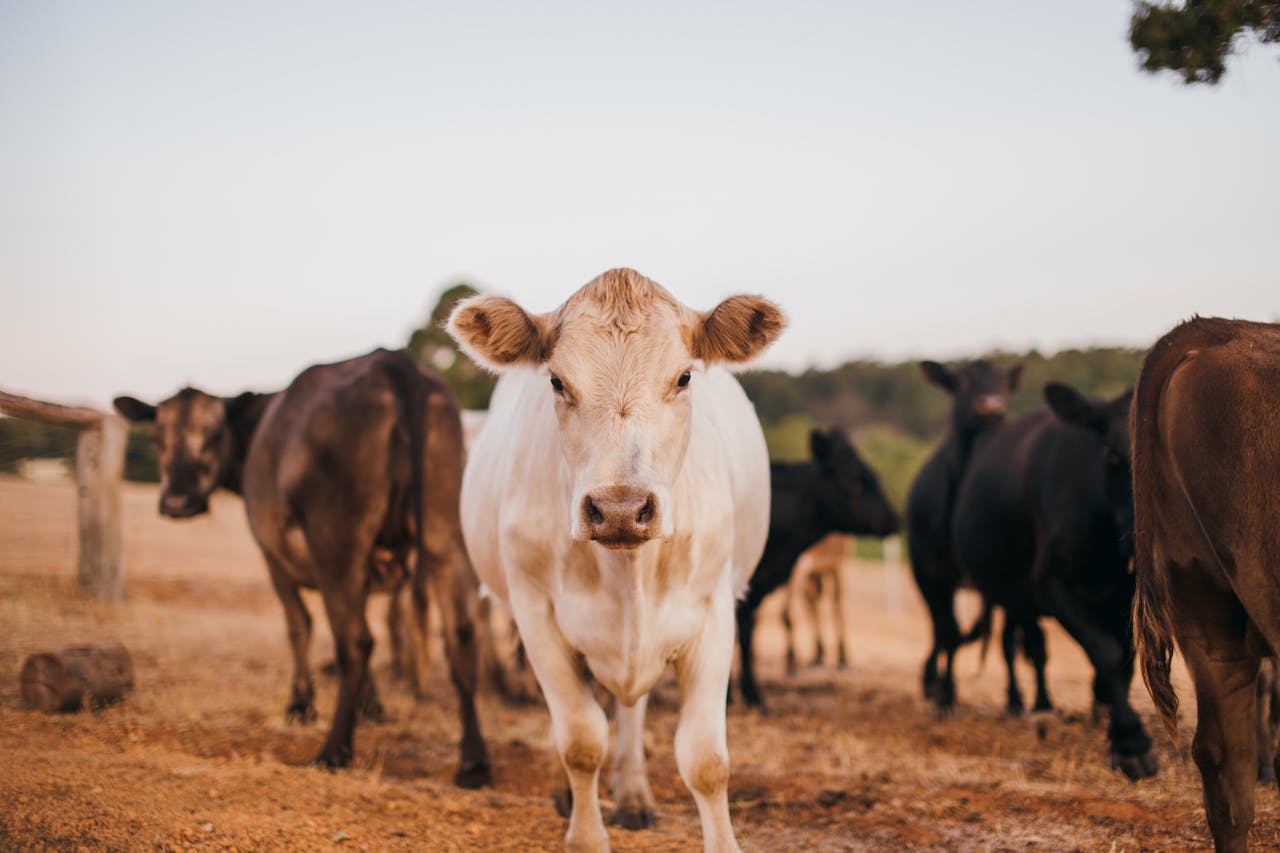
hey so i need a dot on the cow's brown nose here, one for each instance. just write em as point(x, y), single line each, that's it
point(990, 405)
point(182, 506)
point(620, 516)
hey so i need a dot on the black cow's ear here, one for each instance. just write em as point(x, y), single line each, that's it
point(244, 411)
point(1015, 377)
point(134, 409)
point(236, 405)
point(1072, 407)
point(939, 375)
point(819, 444)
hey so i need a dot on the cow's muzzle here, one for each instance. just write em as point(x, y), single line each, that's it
point(621, 516)
point(183, 506)
point(990, 407)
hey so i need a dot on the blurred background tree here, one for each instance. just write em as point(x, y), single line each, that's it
point(1196, 38)
point(896, 418)
point(433, 347)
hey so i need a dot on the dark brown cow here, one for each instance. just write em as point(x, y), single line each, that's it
point(350, 478)
point(1206, 466)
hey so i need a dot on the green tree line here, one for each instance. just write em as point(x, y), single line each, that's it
point(896, 417)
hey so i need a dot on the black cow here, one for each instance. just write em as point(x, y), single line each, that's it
point(980, 393)
point(350, 478)
point(834, 492)
point(1043, 526)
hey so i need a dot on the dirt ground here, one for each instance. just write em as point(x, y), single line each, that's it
point(199, 757)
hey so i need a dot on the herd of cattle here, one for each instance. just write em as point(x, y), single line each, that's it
point(618, 498)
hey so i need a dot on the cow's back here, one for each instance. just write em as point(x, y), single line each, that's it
point(338, 434)
point(1210, 458)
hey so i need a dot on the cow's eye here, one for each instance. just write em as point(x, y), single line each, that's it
point(557, 384)
point(683, 381)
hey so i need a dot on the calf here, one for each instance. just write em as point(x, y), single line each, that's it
point(980, 393)
point(837, 491)
point(816, 599)
point(1206, 463)
point(618, 498)
point(1042, 527)
point(350, 478)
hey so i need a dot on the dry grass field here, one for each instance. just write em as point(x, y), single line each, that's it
point(200, 758)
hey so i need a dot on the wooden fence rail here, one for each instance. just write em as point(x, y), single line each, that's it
point(99, 472)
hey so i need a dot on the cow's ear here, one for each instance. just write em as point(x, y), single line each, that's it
point(939, 375)
point(819, 444)
point(1072, 407)
point(245, 409)
point(1015, 377)
point(134, 409)
point(498, 333)
point(737, 330)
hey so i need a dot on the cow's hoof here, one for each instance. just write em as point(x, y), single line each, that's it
point(1135, 766)
point(563, 799)
point(300, 712)
point(1266, 774)
point(1043, 722)
point(518, 699)
point(333, 758)
point(633, 818)
point(374, 712)
point(474, 775)
point(942, 696)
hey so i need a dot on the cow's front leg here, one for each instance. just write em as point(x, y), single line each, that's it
point(702, 753)
point(579, 729)
point(630, 782)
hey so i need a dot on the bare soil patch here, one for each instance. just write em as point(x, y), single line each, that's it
point(200, 758)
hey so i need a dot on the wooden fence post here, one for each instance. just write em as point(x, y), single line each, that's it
point(99, 473)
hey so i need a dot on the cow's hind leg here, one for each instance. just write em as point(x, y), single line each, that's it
point(301, 707)
point(630, 782)
point(1033, 646)
point(1267, 715)
point(409, 625)
point(702, 753)
point(344, 601)
point(456, 590)
point(1009, 647)
point(1225, 745)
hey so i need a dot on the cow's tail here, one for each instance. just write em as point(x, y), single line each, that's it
point(413, 394)
point(1152, 614)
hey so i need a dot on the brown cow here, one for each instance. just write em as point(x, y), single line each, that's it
point(1206, 465)
point(350, 478)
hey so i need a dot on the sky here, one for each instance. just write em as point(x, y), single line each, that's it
point(221, 194)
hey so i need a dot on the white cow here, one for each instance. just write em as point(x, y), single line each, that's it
point(618, 499)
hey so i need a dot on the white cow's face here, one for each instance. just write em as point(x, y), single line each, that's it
point(622, 361)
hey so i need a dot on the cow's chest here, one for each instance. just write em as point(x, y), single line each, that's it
point(628, 638)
